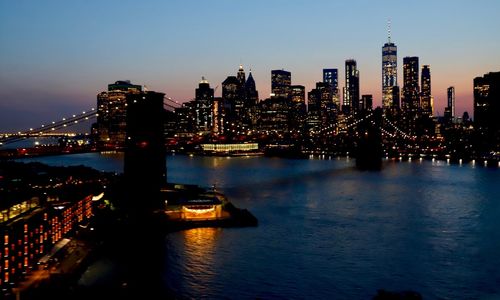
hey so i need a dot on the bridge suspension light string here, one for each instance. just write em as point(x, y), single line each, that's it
point(405, 135)
point(75, 119)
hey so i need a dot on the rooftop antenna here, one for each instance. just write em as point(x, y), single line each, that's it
point(389, 30)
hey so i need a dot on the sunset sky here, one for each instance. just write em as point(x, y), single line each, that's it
point(55, 56)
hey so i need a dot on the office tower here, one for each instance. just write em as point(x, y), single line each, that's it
point(241, 76)
point(111, 109)
point(366, 102)
point(298, 108)
point(204, 97)
point(487, 100)
point(330, 77)
point(411, 89)
point(251, 93)
point(298, 94)
point(351, 90)
point(313, 111)
point(144, 161)
point(281, 81)
point(426, 96)
point(240, 101)
point(231, 98)
point(218, 115)
point(487, 109)
point(389, 74)
point(451, 102)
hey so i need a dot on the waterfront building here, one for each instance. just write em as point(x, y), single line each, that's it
point(351, 90)
point(389, 75)
point(426, 95)
point(111, 109)
point(204, 97)
point(411, 89)
point(28, 237)
point(281, 82)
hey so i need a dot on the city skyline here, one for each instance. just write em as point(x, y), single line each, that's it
point(62, 55)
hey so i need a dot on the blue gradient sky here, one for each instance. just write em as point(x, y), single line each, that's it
point(55, 56)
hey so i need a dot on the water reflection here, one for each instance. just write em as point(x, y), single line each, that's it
point(197, 255)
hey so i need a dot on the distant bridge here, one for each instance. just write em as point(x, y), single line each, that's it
point(50, 129)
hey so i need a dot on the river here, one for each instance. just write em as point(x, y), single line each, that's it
point(327, 230)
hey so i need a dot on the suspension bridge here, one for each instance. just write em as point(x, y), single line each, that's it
point(52, 128)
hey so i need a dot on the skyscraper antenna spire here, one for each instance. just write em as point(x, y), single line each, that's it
point(389, 30)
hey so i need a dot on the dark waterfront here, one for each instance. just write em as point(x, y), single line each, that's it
point(327, 230)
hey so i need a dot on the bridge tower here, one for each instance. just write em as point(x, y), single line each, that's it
point(144, 163)
point(369, 144)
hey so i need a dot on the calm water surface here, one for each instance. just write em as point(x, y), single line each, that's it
point(327, 230)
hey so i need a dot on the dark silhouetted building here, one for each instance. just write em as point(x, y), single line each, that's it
point(251, 93)
point(232, 99)
point(351, 89)
point(425, 95)
point(144, 162)
point(487, 110)
point(281, 82)
point(111, 109)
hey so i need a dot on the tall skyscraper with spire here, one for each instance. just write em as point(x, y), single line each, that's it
point(251, 93)
point(241, 76)
point(390, 89)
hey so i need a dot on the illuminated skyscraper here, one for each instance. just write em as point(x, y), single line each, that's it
point(389, 74)
point(330, 77)
point(351, 90)
point(451, 102)
point(298, 107)
point(203, 106)
point(111, 108)
point(426, 96)
point(411, 89)
point(281, 81)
